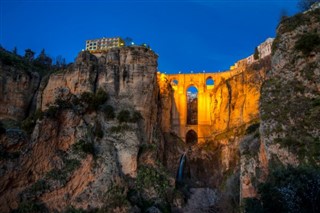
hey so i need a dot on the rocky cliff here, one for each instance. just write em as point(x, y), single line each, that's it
point(92, 120)
point(18, 84)
point(288, 138)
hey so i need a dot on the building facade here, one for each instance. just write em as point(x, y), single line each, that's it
point(101, 44)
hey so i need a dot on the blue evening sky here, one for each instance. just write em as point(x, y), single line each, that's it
point(187, 35)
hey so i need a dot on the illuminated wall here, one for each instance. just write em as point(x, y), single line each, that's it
point(180, 84)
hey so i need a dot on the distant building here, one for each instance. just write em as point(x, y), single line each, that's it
point(265, 48)
point(101, 44)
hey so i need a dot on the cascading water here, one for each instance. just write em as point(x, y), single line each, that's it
point(181, 169)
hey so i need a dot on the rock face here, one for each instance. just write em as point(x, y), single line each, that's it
point(17, 89)
point(235, 100)
point(289, 105)
point(79, 153)
point(290, 96)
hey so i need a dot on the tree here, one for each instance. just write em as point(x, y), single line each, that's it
point(43, 59)
point(15, 51)
point(306, 4)
point(256, 54)
point(29, 55)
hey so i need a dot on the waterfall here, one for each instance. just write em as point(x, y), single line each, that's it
point(181, 168)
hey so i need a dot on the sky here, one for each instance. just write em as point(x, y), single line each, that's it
point(188, 35)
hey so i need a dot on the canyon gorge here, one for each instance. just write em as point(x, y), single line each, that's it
point(107, 133)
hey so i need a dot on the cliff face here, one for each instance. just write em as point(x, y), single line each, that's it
point(236, 100)
point(289, 111)
point(290, 96)
point(17, 88)
point(79, 154)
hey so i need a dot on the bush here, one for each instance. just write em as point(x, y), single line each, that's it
point(120, 128)
point(30, 207)
point(52, 112)
point(83, 147)
point(151, 177)
point(109, 112)
point(124, 116)
point(29, 123)
point(94, 100)
point(136, 116)
point(289, 190)
point(307, 43)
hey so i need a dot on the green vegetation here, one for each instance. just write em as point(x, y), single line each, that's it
point(308, 42)
point(288, 190)
point(62, 174)
point(116, 196)
point(126, 116)
point(41, 64)
point(94, 100)
point(29, 123)
point(82, 147)
point(39, 186)
point(120, 128)
point(290, 24)
point(151, 177)
point(30, 207)
point(97, 130)
point(108, 112)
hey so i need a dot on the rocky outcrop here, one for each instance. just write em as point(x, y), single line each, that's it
point(79, 154)
point(18, 85)
point(235, 100)
point(289, 110)
point(290, 96)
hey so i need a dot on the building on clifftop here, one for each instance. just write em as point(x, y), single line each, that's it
point(101, 44)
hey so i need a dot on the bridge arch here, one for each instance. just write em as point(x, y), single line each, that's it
point(191, 137)
point(192, 105)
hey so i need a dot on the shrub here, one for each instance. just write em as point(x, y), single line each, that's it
point(116, 196)
point(135, 117)
point(100, 97)
point(94, 100)
point(151, 177)
point(307, 43)
point(120, 128)
point(83, 147)
point(61, 175)
point(29, 123)
point(30, 207)
point(39, 186)
point(109, 112)
point(52, 112)
point(97, 131)
point(124, 116)
point(289, 190)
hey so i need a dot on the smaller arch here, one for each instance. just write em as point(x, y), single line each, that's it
point(174, 82)
point(209, 83)
point(191, 138)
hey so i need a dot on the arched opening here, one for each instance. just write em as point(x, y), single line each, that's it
point(192, 106)
point(209, 83)
point(191, 137)
point(174, 82)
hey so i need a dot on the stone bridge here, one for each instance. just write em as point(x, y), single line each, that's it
point(180, 84)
